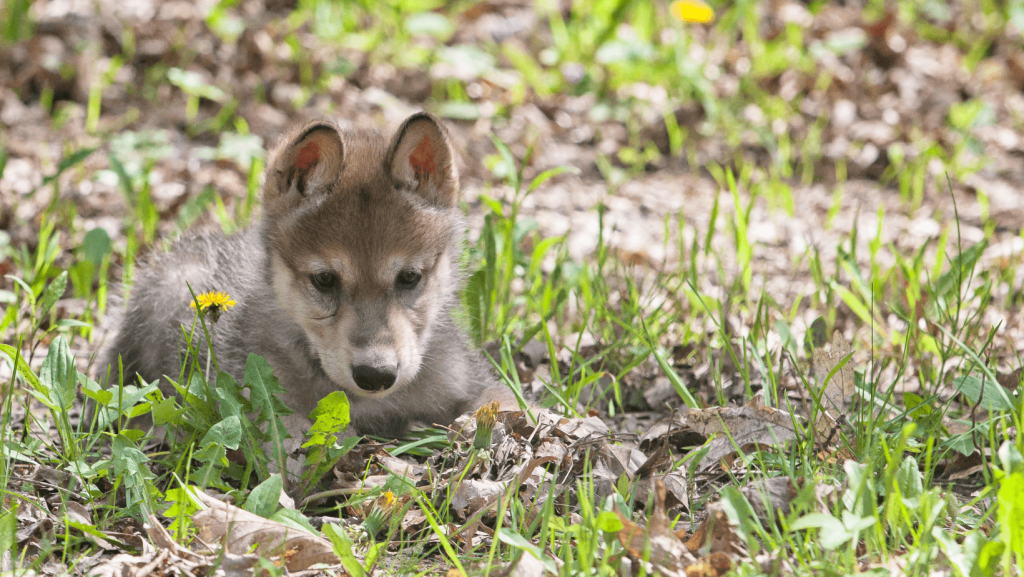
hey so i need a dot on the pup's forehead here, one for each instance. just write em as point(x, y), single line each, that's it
point(368, 223)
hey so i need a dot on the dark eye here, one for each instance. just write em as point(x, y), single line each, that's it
point(324, 281)
point(408, 279)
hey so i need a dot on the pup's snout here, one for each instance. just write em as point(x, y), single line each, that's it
point(371, 378)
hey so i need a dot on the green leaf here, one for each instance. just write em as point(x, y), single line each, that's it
point(129, 462)
point(860, 487)
point(294, 519)
point(67, 162)
point(233, 403)
point(29, 293)
point(344, 549)
point(72, 323)
point(24, 371)
point(818, 333)
point(181, 502)
point(192, 83)
point(459, 110)
point(330, 417)
point(1011, 513)
point(519, 542)
point(95, 246)
point(227, 433)
point(510, 163)
point(833, 532)
point(469, 60)
point(122, 175)
point(432, 23)
point(92, 530)
point(264, 388)
point(53, 293)
point(1010, 458)
point(165, 411)
point(674, 379)
point(547, 174)
point(263, 500)
point(411, 445)
point(962, 443)
point(963, 557)
point(959, 270)
point(989, 393)
point(855, 523)
point(182, 506)
point(8, 529)
point(475, 299)
point(609, 522)
point(125, 399)
point(92, 390)
point(908, 479)
point(59, 375)
point(213, 452)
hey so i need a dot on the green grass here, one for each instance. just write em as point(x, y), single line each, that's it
point(919, 315)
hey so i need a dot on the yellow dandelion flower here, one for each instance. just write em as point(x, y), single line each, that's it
point(692, 11)
point(213, 303)
point(389, 499)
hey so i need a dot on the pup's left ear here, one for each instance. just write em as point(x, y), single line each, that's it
point(421, 158)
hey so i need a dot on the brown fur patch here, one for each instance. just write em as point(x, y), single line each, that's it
point(422, 158)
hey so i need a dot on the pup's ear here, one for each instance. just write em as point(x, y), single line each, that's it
point(421, 158)
point(305, 162)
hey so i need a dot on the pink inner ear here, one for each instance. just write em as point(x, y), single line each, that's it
point(309, 155)
point(422, 158)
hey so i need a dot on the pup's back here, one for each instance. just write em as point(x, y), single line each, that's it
point(348, 283)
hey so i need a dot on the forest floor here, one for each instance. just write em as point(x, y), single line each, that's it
point(773, 307)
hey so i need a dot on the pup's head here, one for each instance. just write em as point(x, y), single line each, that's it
point(362, 239)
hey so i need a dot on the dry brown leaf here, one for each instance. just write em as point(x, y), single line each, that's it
point(239, 531)
point(716, 535)
point(471, 495)
point(672, 431)
point(555, 449)
point(753, 423)
point(716, 564)
point(667, 553)
point(528, 566)
point(412, 471)
point(413, 520)
point(675, 485)
point(837, 394)
point(770, 498)
point(1010, 381)
point(166, 562)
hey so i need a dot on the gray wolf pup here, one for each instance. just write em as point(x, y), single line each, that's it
point(348, 283)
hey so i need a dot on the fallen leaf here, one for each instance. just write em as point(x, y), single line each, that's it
point(836, 393)
point(657, 545)
point(751, 424)
point(471, 495)
point(770, 498)
point(1010, 381)
point(240, 531)
point(529, 566)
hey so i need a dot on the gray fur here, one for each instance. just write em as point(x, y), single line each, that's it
point(359, 209)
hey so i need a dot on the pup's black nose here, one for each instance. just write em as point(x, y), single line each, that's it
point(374, 378)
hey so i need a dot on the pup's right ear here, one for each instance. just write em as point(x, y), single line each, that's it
point(305, 163)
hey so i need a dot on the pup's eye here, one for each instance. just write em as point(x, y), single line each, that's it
point(324, 281)
point(408, 279)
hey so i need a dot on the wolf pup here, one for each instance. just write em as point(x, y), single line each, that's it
point(349, 283)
